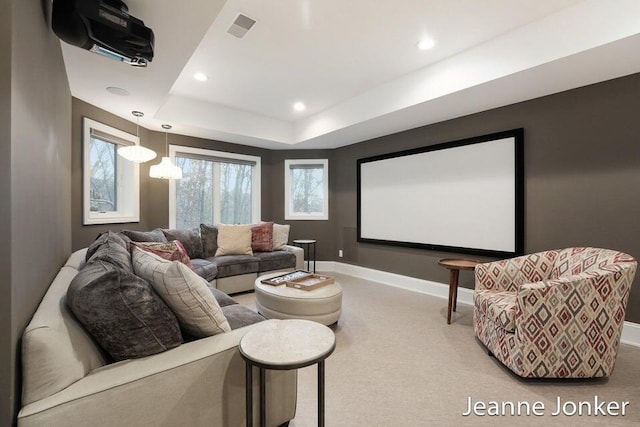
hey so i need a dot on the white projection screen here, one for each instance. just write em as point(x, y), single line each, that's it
point(463, 196)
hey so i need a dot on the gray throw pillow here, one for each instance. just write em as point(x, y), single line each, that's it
point(146, 236)
point(103, 238)
point(113, 253)
point(122, 312)
point(190, 239)
point(209, 235)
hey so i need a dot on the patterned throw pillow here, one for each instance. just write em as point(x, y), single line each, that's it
point(280, 236)
point(234, 240)
point(262, 237)
point(171, 251)
point(186, 293)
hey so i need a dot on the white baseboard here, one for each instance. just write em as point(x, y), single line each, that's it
point(630, 330)
point(630, 334)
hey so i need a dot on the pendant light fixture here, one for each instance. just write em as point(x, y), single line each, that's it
point(137, 153)
point(165, 169)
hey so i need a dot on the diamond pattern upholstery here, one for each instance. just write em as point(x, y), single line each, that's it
point(554, 314)
point(499, 306)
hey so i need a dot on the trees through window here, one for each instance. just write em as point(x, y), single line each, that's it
point(111, 183)
point(306, 189)
point(216, 187)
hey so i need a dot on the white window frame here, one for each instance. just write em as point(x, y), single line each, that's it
point(255, 181)
point(127, 179)
point(288, 213)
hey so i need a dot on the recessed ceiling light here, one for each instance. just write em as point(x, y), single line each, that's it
point(201, 77)
point(426, 43)
point(299, 106)
point(118, 91)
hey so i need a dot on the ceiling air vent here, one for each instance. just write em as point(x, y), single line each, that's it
point(240, 26)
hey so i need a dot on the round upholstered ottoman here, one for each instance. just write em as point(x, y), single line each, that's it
point(322, 305)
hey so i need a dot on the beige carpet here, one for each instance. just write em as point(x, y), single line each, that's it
point(398, 363)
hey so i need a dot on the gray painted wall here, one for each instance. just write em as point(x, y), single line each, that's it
point(38, 174)
point(7, 349)
point(150, 189)
point(582, 172)
point(154, 193)
point(322, 231)
point(582, 167)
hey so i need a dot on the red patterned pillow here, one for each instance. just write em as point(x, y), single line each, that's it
point(262, 237)
point(172, 251)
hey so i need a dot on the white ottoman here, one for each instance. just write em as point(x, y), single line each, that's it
point(322, 305)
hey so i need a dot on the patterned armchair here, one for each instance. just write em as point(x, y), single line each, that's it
point(554, 314)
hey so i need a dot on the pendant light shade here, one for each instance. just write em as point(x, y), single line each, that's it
point(137, 153)
point(165, 169)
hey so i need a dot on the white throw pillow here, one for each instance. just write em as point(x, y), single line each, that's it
point(234, 240)
point(280, 236)
point(186, 293)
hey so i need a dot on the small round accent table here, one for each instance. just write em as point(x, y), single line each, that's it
point(454, 266)
point(322, 305)
point(284, 345)
point(307, 245)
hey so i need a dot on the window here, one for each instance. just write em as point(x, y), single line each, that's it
point(216, 187)
point(306, 189)
point(111, 183)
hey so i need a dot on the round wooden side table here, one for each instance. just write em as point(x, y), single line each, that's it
point(454, 266)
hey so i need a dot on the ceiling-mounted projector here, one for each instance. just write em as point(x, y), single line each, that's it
point(104, 27)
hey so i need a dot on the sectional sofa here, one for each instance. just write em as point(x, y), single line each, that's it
point(70, 379)
point(228, 273)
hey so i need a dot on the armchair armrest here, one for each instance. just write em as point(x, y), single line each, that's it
point(511, 274)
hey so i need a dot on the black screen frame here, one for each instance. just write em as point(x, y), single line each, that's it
point(518, 135)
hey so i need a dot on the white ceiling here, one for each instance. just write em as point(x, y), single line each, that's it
point(355, 66)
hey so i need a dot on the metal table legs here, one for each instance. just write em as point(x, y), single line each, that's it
point(263, 406)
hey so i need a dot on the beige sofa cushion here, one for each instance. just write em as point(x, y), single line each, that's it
point(185, 292)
